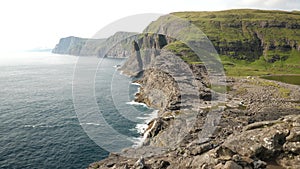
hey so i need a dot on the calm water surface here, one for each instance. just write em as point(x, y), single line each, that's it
point(39, 127)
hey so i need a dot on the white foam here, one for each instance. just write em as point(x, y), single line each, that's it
point(141, 140)
point(138, 91)
point(33, 126)
point(122, 73)
point(141, 128)
point(137, 103)
point(39, 126)
point(95, 124)
point(136, 84)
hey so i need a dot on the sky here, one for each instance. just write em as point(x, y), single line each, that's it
point(41, 23)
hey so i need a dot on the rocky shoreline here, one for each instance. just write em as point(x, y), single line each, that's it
point(258, 127)
point(204, 119)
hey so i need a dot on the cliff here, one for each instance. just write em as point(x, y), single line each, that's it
point(75, 45)
point(144, 50)
point(259, 41)
point(116, 45)
point(255, 126)
point(265, 41)
point(244, 34)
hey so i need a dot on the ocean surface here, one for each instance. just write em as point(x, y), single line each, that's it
point(39, 127)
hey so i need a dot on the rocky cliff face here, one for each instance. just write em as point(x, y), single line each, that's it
point(254, 127)
point(194, 131)
point(116, 46)
point(240, 34)
point(244, 34)
point(144, 50)
point(74, 46)
point(257, 129)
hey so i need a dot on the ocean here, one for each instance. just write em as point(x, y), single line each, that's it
point(39, 124)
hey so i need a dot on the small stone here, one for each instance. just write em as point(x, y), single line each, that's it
point(125, 166)
point(232, 165)
point(236, 158)
point(247, 160)
point(259, 164)
point(219, 166)
point(110, 164)
point(140, 163)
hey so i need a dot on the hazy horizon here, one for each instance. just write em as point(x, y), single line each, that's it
point(40, 24)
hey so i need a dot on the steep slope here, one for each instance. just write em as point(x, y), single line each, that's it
point(261, 38)
point(74, 46)
point(195, 128)
point(117, 45)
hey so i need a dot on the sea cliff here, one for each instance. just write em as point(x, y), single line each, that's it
point(115, 46)
point(244, 122)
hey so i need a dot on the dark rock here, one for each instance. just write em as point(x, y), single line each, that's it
point(160, 164)
point(111, 164)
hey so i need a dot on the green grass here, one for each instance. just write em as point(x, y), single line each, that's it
point(235, 67)
point(184, 52)
point(291, 79)
point(257, 42)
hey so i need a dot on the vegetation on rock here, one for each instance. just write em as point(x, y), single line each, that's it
point(250, 42)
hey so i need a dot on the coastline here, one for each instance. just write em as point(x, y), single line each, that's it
point(142, 127)
point(260, 98)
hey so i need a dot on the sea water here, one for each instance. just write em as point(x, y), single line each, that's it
point(39, 127)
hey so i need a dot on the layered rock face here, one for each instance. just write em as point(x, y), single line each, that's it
point(247, 135)
point(253, 127)
point(74, 46)
point(116, 46)
point(193, 131)
point(243, 34)
point(144, 50)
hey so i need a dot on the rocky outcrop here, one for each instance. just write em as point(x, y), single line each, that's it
point(275, 146)
point(258, 128)
point(144, 50)
point(117, 45)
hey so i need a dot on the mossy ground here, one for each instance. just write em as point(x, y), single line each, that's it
point(234, 67)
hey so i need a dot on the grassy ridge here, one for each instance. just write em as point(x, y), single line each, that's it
point(250, 42)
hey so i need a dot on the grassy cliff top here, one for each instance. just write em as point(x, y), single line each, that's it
point(273, 23)
point(249, 41)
